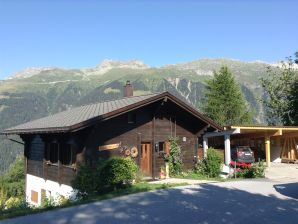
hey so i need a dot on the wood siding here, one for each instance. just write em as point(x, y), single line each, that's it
point(37, 166)
point(145, 129)
point(154, 123)
point(35, 156)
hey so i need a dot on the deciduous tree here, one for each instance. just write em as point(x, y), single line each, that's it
point(281, 93)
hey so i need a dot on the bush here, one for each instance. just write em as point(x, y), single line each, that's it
point(50, 201)
point(47, 202)
point(14, 203)
point(175, 160)
point(112, 173)
point(211, 165)
point(12, 183)
point(118, 172)
point(200, 167)
point(257, 170)
point(85, 181)
point(244, 173)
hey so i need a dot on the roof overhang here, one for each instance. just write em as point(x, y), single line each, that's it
point(269, 131)
point(162, 96)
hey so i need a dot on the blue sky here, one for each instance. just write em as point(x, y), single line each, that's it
point(75, 34)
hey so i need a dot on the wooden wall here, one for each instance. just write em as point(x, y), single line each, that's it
point(36, 164)
point(154, 123)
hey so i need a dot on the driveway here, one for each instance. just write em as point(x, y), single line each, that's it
point(247, 201)
point(282, 172)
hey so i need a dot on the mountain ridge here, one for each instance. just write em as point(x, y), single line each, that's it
point(45, 91)
point(107, 64)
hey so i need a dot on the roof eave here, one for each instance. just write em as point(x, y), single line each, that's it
point(35, 131)
point(115, 113)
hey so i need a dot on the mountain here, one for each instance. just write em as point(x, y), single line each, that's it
point(37, 92)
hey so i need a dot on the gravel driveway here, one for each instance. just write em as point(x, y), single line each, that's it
point(252, 201)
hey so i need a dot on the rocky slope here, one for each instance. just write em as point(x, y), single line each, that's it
point(36, 92)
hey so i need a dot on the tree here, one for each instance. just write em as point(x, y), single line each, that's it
point(12, 183)
point(224, 101)
point(292, 118)
point(281, 93)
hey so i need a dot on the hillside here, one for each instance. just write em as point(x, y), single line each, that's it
point(36, 92)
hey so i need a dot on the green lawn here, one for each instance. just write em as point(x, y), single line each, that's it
point(196, 176)
point(136, 188)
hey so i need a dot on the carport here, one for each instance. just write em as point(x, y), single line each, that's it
point(279, 143)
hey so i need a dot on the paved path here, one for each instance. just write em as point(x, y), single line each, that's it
point(282, 171)
point(253, 201)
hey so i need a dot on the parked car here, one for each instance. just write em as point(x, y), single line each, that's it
point(242, 154)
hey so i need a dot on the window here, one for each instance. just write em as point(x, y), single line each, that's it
point(67, 154)
point(64, 153)
point(51, 153)
point(131, 118)
point(164, 147)
point(161, 147)
point(34, 196)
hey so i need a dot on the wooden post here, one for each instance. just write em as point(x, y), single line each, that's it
point(267, 150)
point(59, 164)
point(205, 146)
point(227, 150)
point(153, 148)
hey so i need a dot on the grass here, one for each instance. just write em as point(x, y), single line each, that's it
point(196, 176)
point(137, 188)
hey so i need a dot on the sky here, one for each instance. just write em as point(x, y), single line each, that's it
point(75, 34)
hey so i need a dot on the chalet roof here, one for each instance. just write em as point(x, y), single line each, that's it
point(84, 116)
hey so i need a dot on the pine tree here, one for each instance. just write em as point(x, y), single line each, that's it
point(224, 101)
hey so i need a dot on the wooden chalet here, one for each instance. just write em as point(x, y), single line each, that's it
point(135, 126)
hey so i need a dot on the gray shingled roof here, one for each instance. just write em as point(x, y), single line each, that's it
point(80, 117)
point(64, 120)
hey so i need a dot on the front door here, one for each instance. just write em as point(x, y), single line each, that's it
point(146, 165)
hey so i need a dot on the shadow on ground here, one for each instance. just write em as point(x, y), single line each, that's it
point(289, 190)
point(205, 203)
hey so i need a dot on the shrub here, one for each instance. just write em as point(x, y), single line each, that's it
point(211, 165)
point(12, 183)
point(61, 200)
point(200, 167)
point(47, 202)
point(118, 172)
point(258, 169)
point(255, 171)
point(175, 160)
point(50, 201)
point(112, 173)
point(244, 173)
point(85, 181)
point(13, 202)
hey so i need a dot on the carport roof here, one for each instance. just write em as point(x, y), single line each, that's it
point(255, 129)
point(275, 130)
point(260, 127)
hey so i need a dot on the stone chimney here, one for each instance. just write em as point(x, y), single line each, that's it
point(128, 89)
